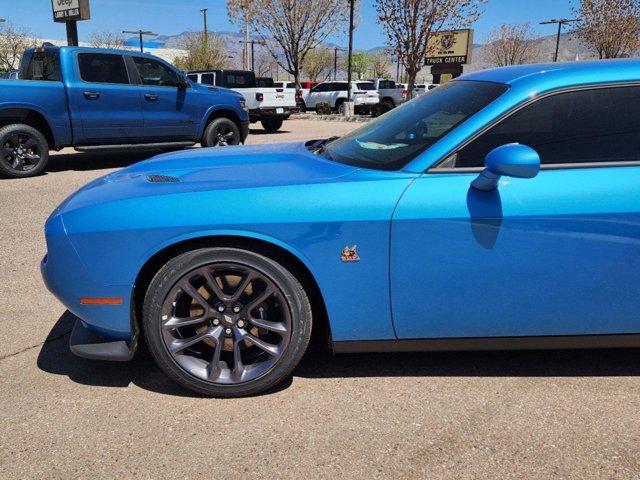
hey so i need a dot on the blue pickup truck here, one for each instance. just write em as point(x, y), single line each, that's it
point(94, 99)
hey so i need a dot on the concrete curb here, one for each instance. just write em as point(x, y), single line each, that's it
point(331, 118)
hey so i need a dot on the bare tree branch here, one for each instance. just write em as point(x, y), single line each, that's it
point(293, 27)
point(511, 44)
point(201, 55)
point(611, 28)
point(409, 24)
point(106, 39)
point(13, 42)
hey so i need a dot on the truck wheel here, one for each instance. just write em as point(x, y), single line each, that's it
point(24, 152)
point(272, 125)
point(221, 132)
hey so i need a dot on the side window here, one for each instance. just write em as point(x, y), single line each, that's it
point(193, 77)
point(39, 64)
point(320, 88)
point(341, 87)
point(207, 78)
point(596, 125)
point(102, 68)
point(153, 72)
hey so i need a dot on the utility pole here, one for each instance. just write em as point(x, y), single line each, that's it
point(245, 53)
point(140, 33)
point(560, 22)
point(206, 33)
point(335, 60)
point(252, 42)
point(349, 99)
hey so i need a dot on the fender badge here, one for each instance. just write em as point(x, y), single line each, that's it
point(350, 254)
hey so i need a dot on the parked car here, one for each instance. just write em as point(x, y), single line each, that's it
point(484, 216)
point(363, 94)
point(270, 106)
point(97, 99)
point(10, 75)
point(389, 92)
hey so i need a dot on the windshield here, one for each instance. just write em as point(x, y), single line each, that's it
point(392, 140)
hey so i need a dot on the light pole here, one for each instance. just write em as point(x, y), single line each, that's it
point(140, 33)
point(206, 33)
point(560, 22)
point(253, 42)
point(351, 6)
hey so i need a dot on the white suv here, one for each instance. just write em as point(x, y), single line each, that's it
point(363, 94)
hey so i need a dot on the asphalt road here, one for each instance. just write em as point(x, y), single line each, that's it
point(446, 415)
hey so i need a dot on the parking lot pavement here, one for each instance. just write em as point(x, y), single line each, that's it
point(445, 415)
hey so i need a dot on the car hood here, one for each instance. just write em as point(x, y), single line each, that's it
point(219, 168)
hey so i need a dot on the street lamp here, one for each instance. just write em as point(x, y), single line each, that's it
point(206, 33)
point(349, 99)
point(140, 33)
point(560, 22)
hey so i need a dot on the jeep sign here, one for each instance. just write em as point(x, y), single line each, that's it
point(67, 10)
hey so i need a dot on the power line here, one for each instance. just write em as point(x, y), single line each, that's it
point(560, 22)
point(140, 33)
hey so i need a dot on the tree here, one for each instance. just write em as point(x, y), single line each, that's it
point(380, 63)
point(409, 24)
point(611, 28)
point(296, 26)
point(106, 39)
point(13, 42)
point(265, 64)
point(360, 63)
point(318, 64)
point(201, 54)
point(511, 44)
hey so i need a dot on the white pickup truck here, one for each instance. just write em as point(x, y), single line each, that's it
point(269, 105)
point(389, 91)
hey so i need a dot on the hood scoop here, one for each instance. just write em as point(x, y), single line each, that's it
point(157, 178)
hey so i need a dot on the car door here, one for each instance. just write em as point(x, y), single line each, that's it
point(315, 96)
point(170, 109)
point(558, 254)
point(108, 105)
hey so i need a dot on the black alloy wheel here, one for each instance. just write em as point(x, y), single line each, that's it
point(220, 133)
point(24, 151)
point(226, 322)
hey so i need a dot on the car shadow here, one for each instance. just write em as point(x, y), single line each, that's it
point(79, 161)
point(260, 131)
point(56, 358)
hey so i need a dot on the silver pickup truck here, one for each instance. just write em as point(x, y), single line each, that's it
point(270, 106)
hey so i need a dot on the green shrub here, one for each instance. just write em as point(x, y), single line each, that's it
point(323, 108)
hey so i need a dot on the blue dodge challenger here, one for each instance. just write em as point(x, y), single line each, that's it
point(499, 211)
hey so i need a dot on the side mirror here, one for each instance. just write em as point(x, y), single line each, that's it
point(510, 160)
point(182, 83)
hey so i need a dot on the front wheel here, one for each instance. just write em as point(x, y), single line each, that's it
point(24, 152)
point(221, 132)
point(226, 322)
point(272, 125)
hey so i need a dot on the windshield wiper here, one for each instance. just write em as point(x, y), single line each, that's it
point(318, 146)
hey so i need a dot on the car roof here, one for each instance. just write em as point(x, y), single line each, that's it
point(562, 74)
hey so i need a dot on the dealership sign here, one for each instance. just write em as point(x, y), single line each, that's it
point(450, 47)
point(67, 10)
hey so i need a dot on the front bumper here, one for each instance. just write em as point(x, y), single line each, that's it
point(105, 332)
point(86, 343)
point(257, 114)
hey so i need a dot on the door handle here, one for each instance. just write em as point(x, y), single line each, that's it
point(150, 96)
point(91, 94)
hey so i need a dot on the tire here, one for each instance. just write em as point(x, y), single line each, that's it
point(272, 125)
point(194, 363)
point(302, 106)
point(221, 132)
point(24, 152)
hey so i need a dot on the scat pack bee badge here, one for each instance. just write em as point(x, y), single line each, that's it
point(350, 254)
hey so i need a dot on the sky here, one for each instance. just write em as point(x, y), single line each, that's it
point(171, 17)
